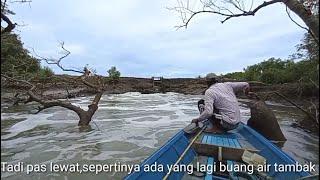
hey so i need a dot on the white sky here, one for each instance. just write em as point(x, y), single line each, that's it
point(139, 37)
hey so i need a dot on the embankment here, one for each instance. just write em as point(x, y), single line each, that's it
point(60, 86)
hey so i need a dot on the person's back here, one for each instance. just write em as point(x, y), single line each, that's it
point(220, 104)
point(225, 100)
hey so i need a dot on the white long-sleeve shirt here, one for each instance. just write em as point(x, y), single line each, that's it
point(222, 97)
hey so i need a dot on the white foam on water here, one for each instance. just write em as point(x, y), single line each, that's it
point(140, 119)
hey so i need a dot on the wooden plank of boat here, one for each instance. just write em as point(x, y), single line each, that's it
point(229, 153)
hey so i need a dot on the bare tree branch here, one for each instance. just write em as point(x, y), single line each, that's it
point(3, 5)
point(307, 29)
point(85, 72)
point(58, 61)
point(236, 8)
point(84, 115)
point(315, 108)
point(51, 103)
point(315, 84)
point(98, 88)
point(21, 1)
point(253, 12)
point(18, 80)
point(10, 24)
point(302, 109)
point(215, 9)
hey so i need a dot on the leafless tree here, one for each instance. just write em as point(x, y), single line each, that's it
point(307, 10)
point(94, 82)
point(10, 25)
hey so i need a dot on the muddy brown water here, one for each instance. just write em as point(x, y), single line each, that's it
point(127, 128)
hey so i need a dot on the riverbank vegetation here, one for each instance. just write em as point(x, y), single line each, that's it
point(16, 61)
point(303, 66)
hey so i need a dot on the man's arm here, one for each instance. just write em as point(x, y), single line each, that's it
point(238, 86)
point(244, 86)
point(208, 108)
point(246, 89)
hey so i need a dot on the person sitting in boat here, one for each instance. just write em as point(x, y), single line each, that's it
point(220, 104)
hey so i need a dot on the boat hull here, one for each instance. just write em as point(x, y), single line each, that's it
point(242, 137)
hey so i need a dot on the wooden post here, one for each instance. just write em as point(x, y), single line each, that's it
point(156, 80)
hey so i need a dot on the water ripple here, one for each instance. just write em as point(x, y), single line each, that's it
point(127, 128)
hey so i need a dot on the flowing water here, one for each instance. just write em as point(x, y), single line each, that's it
point(126, 129)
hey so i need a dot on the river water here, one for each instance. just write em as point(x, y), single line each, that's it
point(126, 129)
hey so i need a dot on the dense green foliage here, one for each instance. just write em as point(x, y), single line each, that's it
point(114, 74)
point(236, 75)
point(303, 65)
point(16, 61)
point(44, 73)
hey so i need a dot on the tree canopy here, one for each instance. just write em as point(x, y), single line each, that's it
point(303, 65)
point(114, 74)
point(16, 60)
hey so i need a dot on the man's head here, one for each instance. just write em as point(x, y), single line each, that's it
point(211, 79)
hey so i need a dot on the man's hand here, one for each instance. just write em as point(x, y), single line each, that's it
point(246, 90)
point(196, 120)
point(253, 95)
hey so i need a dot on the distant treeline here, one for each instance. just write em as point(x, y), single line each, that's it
point(301, 66)
point(276, 71)
point(16, 61)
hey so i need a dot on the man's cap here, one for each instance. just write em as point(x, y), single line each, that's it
point(211, 76)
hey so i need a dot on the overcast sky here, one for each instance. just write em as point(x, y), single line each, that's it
point(139, 37)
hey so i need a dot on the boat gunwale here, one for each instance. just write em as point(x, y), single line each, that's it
point(154, 156)
point(281, 154)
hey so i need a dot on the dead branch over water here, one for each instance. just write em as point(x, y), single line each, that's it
point(92, 81)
